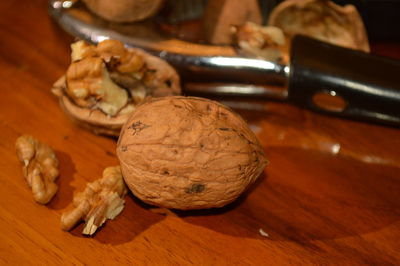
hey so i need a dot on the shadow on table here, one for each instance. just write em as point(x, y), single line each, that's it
point(135, 219)
point(340, 197)
point(64, 194)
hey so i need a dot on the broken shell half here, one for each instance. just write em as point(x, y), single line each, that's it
point(323, 20)
point(100, 122)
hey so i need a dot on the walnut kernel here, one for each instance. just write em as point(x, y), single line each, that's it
point(104, 83)
point(266, 42)
point(40, 167)
point(101, 200)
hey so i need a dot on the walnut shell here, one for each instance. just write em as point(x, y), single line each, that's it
point(124, 10)
point(188, 153)
point(101, 123)
point(323, 20)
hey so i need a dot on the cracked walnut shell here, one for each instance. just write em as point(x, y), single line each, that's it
point(188, 153)
point(323, 20)
point(104, 83)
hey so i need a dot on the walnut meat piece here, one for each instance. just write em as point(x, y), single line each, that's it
point(266, 42)
point(323, 20)
point(125, 60)
point(188, 153)
point(80, 50)
point(90, 85)
point(40, 167)
point(221, 15)
point(105, 83)
point(101, 200)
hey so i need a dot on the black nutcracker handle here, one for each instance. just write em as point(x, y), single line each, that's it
point(344, 82)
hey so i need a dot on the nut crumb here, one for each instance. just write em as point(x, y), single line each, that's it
point(101, 200)
point(40, 167)
point(263, 233)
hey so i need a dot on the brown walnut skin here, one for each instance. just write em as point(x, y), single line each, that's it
point(188, 153)
point(323, 20)
point(99, 122)
point(124, 10)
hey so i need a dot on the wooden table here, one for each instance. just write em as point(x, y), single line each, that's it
point(330, 195)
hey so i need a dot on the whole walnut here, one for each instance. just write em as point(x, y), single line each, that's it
point(124, 10)
point(188, 153)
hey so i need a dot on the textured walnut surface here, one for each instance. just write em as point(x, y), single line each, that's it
point(124, 10)
point(188, 153)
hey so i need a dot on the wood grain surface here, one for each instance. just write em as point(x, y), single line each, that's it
point(330, 195)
